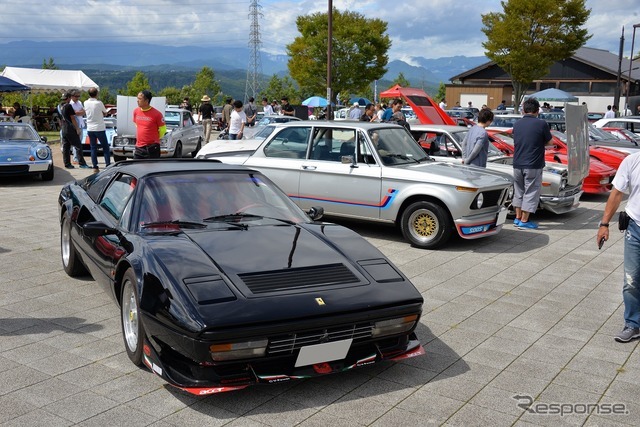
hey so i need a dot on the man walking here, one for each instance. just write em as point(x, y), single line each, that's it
point(70, 133)
point(530, 135)
point(96, 128)
point(206, 116)
point(251, 111)
point(627, 180)
point(237, 121)
point(150, 127)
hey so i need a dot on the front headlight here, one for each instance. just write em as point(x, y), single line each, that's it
point(394, 326)
point(479, 200)
point(238, 350)
point(42, 153)
point(563, 183)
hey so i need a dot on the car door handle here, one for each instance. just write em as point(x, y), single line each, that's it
point(309, 168)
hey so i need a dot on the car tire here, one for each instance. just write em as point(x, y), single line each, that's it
point(132, 329)
point(178, 151)
point(198, 147)
point(426, 225)
point(48, 175)
point(118, 158)
point(70, 260)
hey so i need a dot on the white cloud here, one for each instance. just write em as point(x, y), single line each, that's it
point(434, 28)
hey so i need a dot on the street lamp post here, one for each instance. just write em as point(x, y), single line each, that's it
point(633, 39)
point(329, 53)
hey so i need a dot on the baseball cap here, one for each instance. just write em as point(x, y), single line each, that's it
point(64, 96)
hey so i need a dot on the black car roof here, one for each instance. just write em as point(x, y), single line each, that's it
point(143, 167)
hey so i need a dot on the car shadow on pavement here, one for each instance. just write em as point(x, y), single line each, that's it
point(61, 176)
point(12, 326)
point(385, 380)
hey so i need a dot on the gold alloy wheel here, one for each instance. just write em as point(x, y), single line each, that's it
point(424, 225)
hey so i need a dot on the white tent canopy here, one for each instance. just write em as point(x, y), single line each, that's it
point(40, 80)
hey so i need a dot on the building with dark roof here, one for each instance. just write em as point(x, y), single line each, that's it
point(590, 74)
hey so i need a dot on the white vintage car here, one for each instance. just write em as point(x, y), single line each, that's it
point(183, 138)
point(376, 172)
point(445, 142)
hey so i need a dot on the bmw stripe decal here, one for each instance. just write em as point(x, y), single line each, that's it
point(385, 203)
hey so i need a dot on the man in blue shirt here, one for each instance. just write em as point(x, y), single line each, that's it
point(475, 147)
point(530, 135)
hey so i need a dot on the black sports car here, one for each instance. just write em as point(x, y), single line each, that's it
point(223, 282)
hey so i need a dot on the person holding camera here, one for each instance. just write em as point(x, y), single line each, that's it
point(627, 180)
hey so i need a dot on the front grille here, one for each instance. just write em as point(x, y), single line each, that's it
point(286, 344)
point(298, 278)
point(491, 198)
point(11, 169)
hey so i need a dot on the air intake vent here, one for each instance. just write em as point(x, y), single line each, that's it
point(286, 344)
point(298, 278)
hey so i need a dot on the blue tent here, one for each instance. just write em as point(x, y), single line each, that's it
point(8, 85)
point(554, 95)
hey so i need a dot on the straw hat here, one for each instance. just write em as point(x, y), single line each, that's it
point(205, 98)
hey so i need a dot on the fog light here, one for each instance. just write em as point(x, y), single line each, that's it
point(394, 326)
point(479, 200)
point(238, 350)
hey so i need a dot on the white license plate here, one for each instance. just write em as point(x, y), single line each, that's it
point(502, 217)
point(326, 352)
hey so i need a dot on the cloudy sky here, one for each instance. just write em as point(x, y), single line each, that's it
point(427, 28)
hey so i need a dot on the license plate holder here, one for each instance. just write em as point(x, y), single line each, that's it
point(325, 352)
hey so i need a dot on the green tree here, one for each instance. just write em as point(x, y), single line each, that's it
point(51, 65)
point(442, 91)
point(279, 87)
point(138, 83)
point(107, 97)
point(173, 95)
point(401, 80)
point(359, 54)
point(528, 37)
point(204, 84)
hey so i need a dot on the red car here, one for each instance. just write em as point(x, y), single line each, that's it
point(600, 175)
point(607, 155)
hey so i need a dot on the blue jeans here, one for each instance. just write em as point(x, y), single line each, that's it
point(631, 289)
point(101, 136)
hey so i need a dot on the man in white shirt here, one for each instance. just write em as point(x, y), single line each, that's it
point(627, 180)
point(443, 104)
point(609, 114)
point(267, 108)
point(237, 121)
point(96, 129)
point(355, 112)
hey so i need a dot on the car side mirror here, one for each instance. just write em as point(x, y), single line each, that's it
point(316, 212)
point(43, 139)
point(97, 229)
point(349, 160)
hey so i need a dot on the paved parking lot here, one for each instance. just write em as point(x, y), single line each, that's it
point(525, 313)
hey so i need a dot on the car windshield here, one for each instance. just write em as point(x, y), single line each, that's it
point(396, 146)
point(264, 132)
point(599, 135)
point(9, 132)
point(172, 118)
point(504, 122)
point(208, 197)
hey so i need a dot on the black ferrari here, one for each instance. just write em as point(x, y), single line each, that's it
point(223, 282)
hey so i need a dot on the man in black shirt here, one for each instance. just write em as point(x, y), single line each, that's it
point(206, 116)
point(286, 108)
point(530, 135)
point(70, 133)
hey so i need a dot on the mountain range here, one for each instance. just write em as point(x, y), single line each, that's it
point(107, 57)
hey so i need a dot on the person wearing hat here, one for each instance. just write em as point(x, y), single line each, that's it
point(206, 116)
point(276, 107)
point(287, 109)
point(355, 113)
point(70, 133)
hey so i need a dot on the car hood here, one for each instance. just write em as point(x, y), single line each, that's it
point(449, 174)
point(610, 151)
point(17, 150)
point(275, 273)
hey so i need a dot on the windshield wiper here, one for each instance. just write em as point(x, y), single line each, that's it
point(241, 215)
point(402, 156)
point(180, 223)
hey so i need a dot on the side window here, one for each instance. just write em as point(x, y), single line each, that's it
point(332, 144)
point(117, 195)
point(289, 143)
point(364, 152)
point(95, 187)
